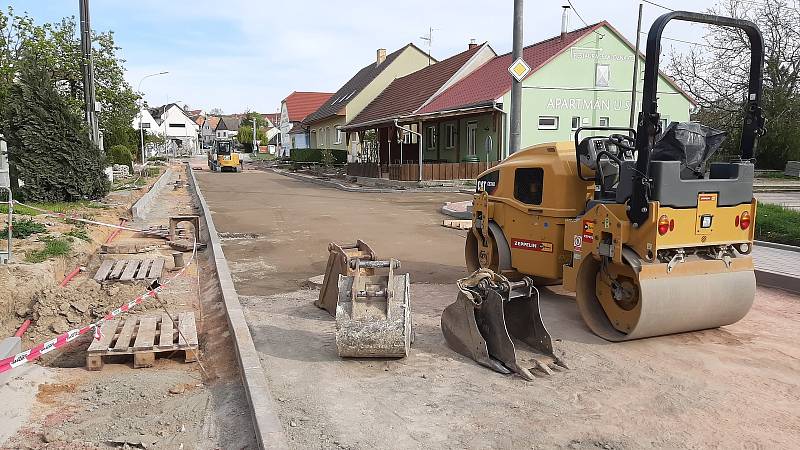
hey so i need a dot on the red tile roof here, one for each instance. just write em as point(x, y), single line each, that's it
point(275, 118)
point(301, 104)
point(406, 94)
point(492, 80)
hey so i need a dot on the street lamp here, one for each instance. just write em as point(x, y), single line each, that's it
point(141, 116)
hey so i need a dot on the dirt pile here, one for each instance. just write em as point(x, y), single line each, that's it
point(19, 282)
point(55, 310)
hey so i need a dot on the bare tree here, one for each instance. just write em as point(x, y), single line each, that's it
point(715, 73)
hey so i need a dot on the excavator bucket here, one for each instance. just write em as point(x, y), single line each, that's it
point(497, 323)
point(373, 316)
point(340, 258)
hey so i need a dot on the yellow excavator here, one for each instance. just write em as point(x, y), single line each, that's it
point(223, 156)
point(651, 240)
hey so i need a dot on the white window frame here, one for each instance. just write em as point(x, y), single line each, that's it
point(328, 137)
point(472, 127)
point(450, 135)
point(573, 127)
point(598, 78)
point(338, 135)
point(607, 121)
point(430, 137)
point(553, 126)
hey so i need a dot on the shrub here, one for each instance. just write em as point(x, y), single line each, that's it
point(774, 223)
point(23, 229)
point(315, 155)
point(119, 154)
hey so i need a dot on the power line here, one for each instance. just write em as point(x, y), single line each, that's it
point(681, 40)
point(581, 17)
point(656, 4)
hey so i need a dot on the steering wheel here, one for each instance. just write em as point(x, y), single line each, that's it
point(622, 141)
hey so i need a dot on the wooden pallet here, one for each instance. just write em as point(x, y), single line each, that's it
point(143, 337)
point(129, 270)
point(457, 224)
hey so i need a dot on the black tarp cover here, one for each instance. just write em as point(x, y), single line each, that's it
point(690, 143)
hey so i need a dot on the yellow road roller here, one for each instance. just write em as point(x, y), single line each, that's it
point(651, 238)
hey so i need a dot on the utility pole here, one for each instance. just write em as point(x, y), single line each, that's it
point(516, 86)
point(636, 69)
point(88, 73)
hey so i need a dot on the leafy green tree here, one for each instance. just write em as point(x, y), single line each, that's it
point(245, 136)
point(716, 75)
point(58, 48)
point(49, 147)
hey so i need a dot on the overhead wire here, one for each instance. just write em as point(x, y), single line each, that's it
point(581, 18)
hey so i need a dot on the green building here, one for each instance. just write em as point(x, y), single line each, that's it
point(579, 78)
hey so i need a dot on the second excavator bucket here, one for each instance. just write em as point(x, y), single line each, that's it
point(340, 258)
point(497, 323)
point(373, 317)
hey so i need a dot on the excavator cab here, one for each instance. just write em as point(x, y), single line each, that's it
point(652, 239)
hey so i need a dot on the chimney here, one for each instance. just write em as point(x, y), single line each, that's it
point(565, 20)
point(381, 56)
point(472, 44)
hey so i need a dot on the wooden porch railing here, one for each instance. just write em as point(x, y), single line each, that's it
point(370, 170)
point(438, 171)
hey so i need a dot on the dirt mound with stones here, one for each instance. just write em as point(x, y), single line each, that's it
point(55, 310)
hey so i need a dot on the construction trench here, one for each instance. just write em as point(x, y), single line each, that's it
point(735, 386)
point(164, 375)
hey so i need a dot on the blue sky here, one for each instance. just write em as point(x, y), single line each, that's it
point(249, 54)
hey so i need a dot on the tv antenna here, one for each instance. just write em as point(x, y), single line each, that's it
point(429, 39)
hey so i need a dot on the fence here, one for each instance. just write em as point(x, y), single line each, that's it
point(369, 170)
point(439, 171)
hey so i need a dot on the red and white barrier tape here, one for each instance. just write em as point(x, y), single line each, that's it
point(78, 219)
point(46, 347)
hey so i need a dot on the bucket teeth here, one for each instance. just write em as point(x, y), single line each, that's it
point(491, 317)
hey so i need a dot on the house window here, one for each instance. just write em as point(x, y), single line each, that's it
point(604, 121)
point(327, 136)
point(602, 75)
point(450, 135)
point(177, 125)
point(576, 123)
point(548, 122)
point(339, 135)
point(528, 185)
point(430, 138)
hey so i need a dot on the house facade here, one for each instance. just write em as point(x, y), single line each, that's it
point(208, 131)
point(378, 139)
point(181, 133)
point(325, 124)
point(295, 108)
point(578, 79)
point(227, 127)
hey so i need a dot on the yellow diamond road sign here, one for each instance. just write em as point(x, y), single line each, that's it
point(519, 69)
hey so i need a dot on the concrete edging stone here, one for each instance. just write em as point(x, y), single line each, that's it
point(143, 203)
point(375, 190)
point(269, 431)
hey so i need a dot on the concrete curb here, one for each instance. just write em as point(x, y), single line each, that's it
point(342, 187)
point(790, 248)
point(269, 431)
point(143, 203)
point(777, 280)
